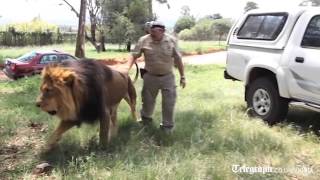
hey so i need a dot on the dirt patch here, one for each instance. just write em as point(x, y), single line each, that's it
point(3, 77)
point(212, 50)
point(14, 151)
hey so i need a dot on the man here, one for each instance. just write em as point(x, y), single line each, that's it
point(160, 54)
point(147, 27)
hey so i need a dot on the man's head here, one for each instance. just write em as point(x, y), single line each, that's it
point(147, 27)
point(157, 30)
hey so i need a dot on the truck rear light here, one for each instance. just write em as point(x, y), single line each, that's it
point(13, 67)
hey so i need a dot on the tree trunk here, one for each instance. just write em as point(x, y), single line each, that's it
point(80, 50)
point(150, 9)
point(128, 46)
point(102, 41)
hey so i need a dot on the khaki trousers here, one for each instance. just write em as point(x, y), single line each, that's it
point(151, 86)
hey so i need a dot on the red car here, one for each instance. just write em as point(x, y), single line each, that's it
point(33, 62)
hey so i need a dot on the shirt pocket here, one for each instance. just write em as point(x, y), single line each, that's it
point(167, 49)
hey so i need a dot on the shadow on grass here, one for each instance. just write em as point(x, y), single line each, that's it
point(133, 140)
point(304, 120)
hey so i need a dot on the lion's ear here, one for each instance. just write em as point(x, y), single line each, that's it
point(69, 79)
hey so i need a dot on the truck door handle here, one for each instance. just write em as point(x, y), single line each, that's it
point(299, 59)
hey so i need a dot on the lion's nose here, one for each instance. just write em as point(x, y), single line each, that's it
point(38, 103)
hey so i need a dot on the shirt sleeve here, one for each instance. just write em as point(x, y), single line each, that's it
point(176, 54)
point(137, 51)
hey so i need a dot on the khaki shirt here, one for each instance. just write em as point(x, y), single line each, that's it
point(159, 56)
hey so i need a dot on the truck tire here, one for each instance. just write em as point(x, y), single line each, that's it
point(264, 101)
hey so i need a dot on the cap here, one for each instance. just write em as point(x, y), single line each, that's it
point(148, 24)
point(158, 24)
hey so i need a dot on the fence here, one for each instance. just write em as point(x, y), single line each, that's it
point(9, 38)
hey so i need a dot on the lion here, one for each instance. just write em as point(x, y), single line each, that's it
point(84, 91)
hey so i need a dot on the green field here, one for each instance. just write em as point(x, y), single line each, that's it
point(113, 51)
point(213, 134)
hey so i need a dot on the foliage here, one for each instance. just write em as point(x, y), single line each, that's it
point(36, 25)
point(186, 34)
point(184, 22)
point(250, 6)
point(207, 29)
point(135, 11)
point(35, 32)
point(214, 16)
point(185, 11)
point(221, 27)
point(122, 31)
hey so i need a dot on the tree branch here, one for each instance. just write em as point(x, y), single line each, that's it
point(72, 8)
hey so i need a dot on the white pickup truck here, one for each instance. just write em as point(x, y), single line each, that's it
point(276, 53)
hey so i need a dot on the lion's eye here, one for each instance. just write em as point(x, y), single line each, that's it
point(48, 91)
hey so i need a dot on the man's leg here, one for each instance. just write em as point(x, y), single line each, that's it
point(169, 96)
point(149, 94)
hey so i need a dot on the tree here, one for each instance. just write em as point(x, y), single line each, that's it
point(203, 30)
point(134, 10)
point(123, 31)
point(184, 22)
point(185, 10)
point(214, 16)
point(94, 10)
point(80, 51)
point(185, 34)
point(250, 5)
point(221, 27)
point(207, 29)
point(310, 3)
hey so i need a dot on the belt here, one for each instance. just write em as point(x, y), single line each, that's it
point(159, 75)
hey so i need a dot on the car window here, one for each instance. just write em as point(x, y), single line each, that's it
point(50, 58)
point(27, 57)
point(311, 36)
point(262, 26)
point(65, 57)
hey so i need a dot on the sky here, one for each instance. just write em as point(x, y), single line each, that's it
point(12, 11)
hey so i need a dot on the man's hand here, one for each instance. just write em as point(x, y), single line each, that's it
point(183, 82)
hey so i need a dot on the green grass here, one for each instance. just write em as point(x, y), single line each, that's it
point(212, 133)
point(201, 47)
point(113, 51)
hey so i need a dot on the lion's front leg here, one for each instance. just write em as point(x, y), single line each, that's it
point(105, 134)
point(57, 134)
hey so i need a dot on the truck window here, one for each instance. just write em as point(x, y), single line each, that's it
point(262, 26)
point(311, 37)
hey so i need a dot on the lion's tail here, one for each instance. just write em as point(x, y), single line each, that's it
point(132, 98)
point(137, 72)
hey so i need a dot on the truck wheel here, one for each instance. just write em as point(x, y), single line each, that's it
point(264, 101)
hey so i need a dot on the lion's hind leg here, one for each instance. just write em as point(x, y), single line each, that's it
point(132, 105)
point(113, 123)
point(104, 134)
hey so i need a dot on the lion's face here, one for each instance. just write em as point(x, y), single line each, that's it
point(55, 95)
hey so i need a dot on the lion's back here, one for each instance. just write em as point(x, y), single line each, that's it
point(93, 76)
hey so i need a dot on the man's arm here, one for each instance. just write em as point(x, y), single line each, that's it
point(134, 55)
point(131, 60)
point(178, 62)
